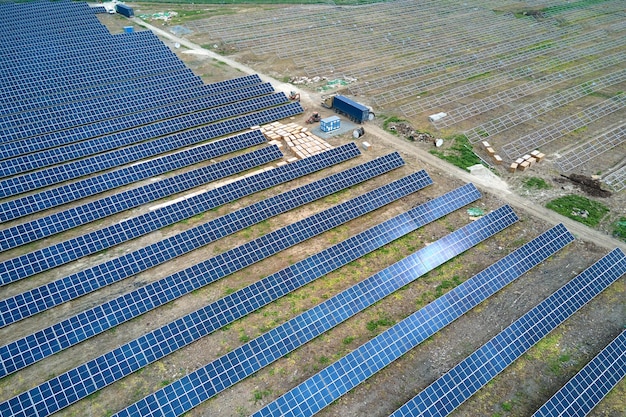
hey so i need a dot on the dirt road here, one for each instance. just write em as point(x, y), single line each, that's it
point(486, 183)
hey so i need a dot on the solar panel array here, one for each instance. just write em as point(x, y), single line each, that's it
point(589, 386)
point(155, 118)
point(59, 155)
point(125, 200)
point(59, 173)
point(61, 253)
point(332, 382)
point(183, 100)
point(62, 335)
point(466, 378)
point(41, 298)
point(270, 288)
point(207, 381)
point(224, 311)
point(134, 303)
point(93, 185)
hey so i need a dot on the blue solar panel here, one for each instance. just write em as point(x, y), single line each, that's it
point(229, 262)
point(462, 381)
point(225, 371)
point(222, 312)
point(28, 350)
point(59, 254)
point(160, 82)
point(57, 174)
point(125, 200)
point(64, 194)
point(154, 104)
point(331, 383)
point(59, 155)
point(63, 290)
point(589, 386)
point(294, 276)
point(136, 126)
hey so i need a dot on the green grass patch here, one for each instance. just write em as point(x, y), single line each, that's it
point(619, 229)
point(348, 340)
point(459, 154)
point(390, 120)
point(536, 183)
point(579, 208)
point(258, 395)
point(478, 76)
point(383, 321)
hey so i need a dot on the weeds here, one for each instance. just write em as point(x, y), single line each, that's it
point(579, 208)
point(459, 154)
point(536, 183)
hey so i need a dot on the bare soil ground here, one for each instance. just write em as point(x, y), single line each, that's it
point(518, 391)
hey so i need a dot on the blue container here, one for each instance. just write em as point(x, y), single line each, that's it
point(124, 10)
point(129, 29)
point(331, 123)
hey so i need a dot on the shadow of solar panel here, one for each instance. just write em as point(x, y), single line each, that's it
point(54, 175)
point(589, 386)
point(243, 256)
point(80, 283)
point(136, 127)
point(116, 203)
point(64, 194)
point(59, 155)
point(465, 379)
point(256, 354)
point(334, 381)
point(52, 256)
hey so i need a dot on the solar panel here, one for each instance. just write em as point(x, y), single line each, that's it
point(217, 267)
point(41, 298)
point(461, 382)
point(225, 371)
point(20, 354)
point(589, 386)
point(155, 104)
point(240, 303)
point(78, 150)
point(159, 82)
point(332, 382)
point(136, 121)
point(54, 175)
point(93, 185)
point(61, 253)
point(94, 210)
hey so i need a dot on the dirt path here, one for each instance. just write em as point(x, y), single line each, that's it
point(488, 184)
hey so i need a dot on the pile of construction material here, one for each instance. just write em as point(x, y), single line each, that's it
point(492, 153)
point(526, 161)
point(299, 139)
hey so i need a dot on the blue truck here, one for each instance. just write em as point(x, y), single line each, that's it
point(356, 112)
point(124, 10)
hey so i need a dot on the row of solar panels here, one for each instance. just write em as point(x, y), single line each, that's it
point(192, 99)
point(206, 382)
point(131, 47)
point(44, 141)
point(182, 78)
point(188, 392)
